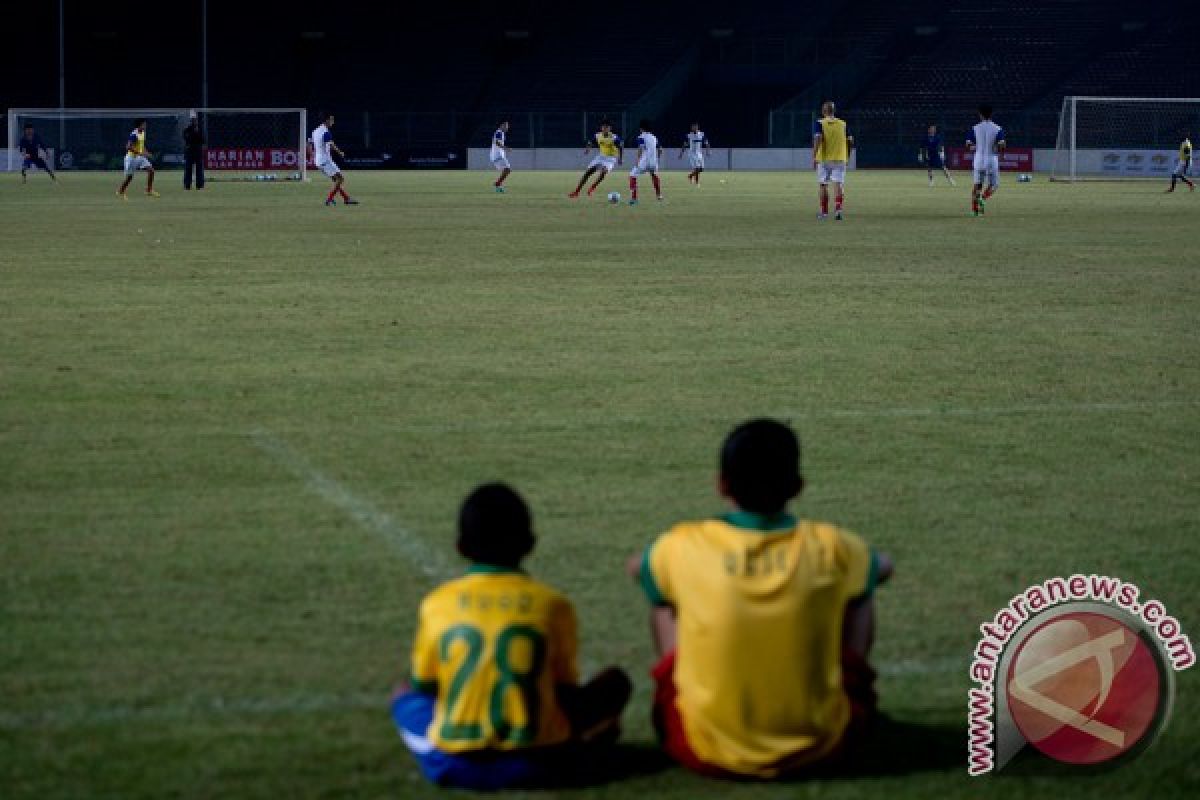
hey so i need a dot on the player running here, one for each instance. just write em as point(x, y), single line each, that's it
point(986, 141)
point(323, 149)
point(609, 152)
point(695, 144)
point(499, 154)
point(32, 147)
point(933, 154)
point(831, 152)
point(137, 157)
point(1182, 165)
point(649, 152)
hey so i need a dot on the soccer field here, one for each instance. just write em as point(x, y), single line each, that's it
point(236, 425)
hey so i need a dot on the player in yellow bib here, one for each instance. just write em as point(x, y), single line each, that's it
point(763, 622)
point(137, 157)
point(1183, 164)
point(831, 153)
point(494, 699)
point(609, 152)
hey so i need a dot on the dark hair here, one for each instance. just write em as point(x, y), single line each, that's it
point(29, 125)
point(495, 526)
point(503, 121)
point(985, 110)
point(324, 115)
point(644, 124)
point(139, 122)
point(760, 465)
point(604, 122)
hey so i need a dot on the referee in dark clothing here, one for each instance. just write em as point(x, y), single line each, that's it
point(193, 154)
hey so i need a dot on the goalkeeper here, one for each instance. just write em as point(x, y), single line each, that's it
point(933, 154)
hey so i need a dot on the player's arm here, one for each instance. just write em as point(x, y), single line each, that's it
point(971, 141)
point(130, 144)
point(707, 149)
point(423, 666)
point(849, 142)
point(333, 148)
point(587, 145)
point(660, 152)
point(683, 149)
point(818, 138)
point(620, 143)
point(1000, 143)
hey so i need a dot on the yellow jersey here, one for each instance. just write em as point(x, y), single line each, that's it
point(608, 144)
point(760, 602)
point(1185, 150)
point(136, 145)
point(834, 144)
point(493, 645)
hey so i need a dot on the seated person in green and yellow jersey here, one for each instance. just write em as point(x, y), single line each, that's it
point(494, 699)
point(762, 621)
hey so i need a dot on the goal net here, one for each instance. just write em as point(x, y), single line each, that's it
point(1119, 138)
point(254, 144)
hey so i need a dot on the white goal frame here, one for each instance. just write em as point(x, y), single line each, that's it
point(64, 114)
point(1066, 163)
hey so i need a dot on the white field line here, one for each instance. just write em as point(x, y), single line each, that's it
point(429, 561)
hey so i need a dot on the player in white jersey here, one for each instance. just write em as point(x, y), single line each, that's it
point(695, 144)
point(649, 151)
point(323, 148)
point(499, 154)
point(986, 141)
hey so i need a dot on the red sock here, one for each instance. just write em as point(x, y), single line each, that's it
point(824, 205)
point(342, 192)
point(332, 195)
point(974, 202)
point(633, 188)
point(837, 204)
point(657, 185)
point(987, 193)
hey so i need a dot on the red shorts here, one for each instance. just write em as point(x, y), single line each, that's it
point(858, 680)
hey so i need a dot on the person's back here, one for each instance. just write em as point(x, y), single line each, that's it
point(760, 602)
point(763, 663)
point(493, 700)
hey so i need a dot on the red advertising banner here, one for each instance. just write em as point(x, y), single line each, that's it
point(1013, 159)
point(252, 158)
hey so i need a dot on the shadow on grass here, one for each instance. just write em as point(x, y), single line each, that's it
point(897, 747)
point(616, 763)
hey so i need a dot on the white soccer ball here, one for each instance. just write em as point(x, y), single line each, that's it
point(1024, 178)
point(614, 197)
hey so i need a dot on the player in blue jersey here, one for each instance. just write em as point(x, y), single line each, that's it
point(933, 154)
point(32, 147)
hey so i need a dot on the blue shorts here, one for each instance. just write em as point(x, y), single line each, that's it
point(35, 162)
point(413, 713)
point(935, 162)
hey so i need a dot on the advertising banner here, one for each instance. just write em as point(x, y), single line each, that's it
point(1013, 159)
point(252, 158)
point(408, 158)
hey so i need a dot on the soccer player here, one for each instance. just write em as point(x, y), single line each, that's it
point(323, 150)
point(933, 154)
point(1181, 165)
point(986, 141)
point(499, 154)
point(137, 157)
point(609, 152)
point(494, 699)
point(762, 622)
point(649, 152)
point(696, 145)
point(31, 148)
point(831, 152)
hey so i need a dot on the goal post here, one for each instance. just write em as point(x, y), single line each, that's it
point(264, 144)
point(1122, 138)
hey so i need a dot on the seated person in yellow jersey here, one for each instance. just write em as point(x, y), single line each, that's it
point(762, 622)
point(494, 699)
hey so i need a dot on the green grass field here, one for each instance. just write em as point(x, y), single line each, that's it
point(235, 428)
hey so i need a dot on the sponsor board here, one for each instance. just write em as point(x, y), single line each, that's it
point(1013, 159)
point(253, 158)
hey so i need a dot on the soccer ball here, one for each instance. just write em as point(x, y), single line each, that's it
point(614, 197)
point(1024, 178)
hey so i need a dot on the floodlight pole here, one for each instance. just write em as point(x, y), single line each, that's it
point(62, 59)
point(204, 53)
